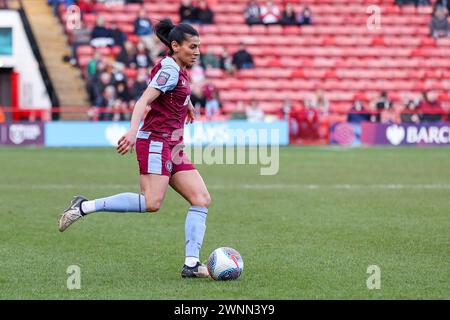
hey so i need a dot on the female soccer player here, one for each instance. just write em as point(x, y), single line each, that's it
point(159, 149)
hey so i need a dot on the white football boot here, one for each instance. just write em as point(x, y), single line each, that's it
point(72, 213)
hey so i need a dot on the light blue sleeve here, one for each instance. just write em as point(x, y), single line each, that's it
point(165, 79)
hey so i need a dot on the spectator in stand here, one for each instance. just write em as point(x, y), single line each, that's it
point(414, 2)
point(56, 3)
point(442, 4)
point(93, 81)
point(188, 12)
point(405, 2)
point(305, 17)
point(410, 113)
point(99, 85)
point(226, 62)
point(106, 101)
point(142, 25)
point(101, 36)
point(197, 73)
point(140, 84)
point(253, 112)
point(212, 105)
point(91, 67)
point(288, 16)
point(198, 99)
point(270, 13)
point(123, 93)
point(99, 30)
point(381, 104)
point(389, 115)
point(430, 107)
point(112, 2)
point(320, 102)
point(142, 58)
point(208, 89)
point(286, 109)
point(358, 112)
point(118, 76)
point(209, 60)
point(308, 121)
point(242, 59)
point(439, 25)
point(105, 81)
point(126, 55)
point(252, 13)
point(118, 35)
point(204, 13)
point(144, 29)
point(116, 112)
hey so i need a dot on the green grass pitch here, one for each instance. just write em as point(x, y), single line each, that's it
point(309, 232)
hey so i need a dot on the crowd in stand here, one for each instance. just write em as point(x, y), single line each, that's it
point(424, 107)
point(201, 14)
point(439, 25)
point(112, 92)
point(304, 118)
point(110, 86)
point(270, 13)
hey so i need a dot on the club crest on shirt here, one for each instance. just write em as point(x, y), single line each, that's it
point(183, 83)
point(162, 78)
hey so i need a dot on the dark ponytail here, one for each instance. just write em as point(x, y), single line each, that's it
point(167, 32)
point(163, 29)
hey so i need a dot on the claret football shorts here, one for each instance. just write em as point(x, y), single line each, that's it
point(155, 155)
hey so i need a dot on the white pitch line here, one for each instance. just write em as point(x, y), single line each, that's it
point(232, 186)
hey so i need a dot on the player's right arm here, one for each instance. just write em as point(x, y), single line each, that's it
point(164, 80)
point(128, 140)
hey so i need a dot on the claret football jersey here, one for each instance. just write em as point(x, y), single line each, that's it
point(168, 112)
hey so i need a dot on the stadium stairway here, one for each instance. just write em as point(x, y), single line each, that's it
point(66, 79)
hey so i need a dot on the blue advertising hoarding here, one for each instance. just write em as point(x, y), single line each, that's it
point(229, 133)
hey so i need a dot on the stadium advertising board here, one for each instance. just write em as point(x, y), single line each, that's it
point(20, 134)
point(436, 134)
point(237, 133)
point(229, 133)
point(346, 134)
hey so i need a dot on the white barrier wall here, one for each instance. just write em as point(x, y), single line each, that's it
point(32, 91)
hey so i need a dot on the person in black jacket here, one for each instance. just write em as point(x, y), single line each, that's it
point(188, 12)
point(288, 16)
point(204, 12)
point(242, 59)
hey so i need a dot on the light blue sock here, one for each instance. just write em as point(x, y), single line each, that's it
point(123, 202)
point(195, 230)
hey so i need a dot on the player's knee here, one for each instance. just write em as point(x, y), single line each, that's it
point(153, 206)
point(202, 200)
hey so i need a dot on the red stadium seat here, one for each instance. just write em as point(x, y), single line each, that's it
point(337, 53)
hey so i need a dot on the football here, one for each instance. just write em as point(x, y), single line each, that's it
point(225, 264)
